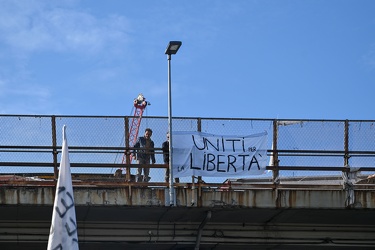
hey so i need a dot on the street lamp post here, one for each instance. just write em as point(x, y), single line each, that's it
point(172, 49)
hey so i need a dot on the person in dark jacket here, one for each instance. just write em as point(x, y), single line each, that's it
point(144, 152)
point(165, 148)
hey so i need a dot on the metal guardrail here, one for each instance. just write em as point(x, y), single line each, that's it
point(311, 146)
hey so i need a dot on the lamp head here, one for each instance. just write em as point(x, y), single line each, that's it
point(173, 47)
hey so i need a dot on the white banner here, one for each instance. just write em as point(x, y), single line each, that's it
point(202, 154)
point(63, 233)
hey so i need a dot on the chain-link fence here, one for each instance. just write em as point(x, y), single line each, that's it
point(297, 149)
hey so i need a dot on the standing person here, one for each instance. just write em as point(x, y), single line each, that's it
point(144, 152)
point(165, 148)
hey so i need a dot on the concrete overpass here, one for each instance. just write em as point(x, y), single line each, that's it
point(236, 216)
point(282, 212)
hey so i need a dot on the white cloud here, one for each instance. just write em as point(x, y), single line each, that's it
point(35, 29)
point(39, 26)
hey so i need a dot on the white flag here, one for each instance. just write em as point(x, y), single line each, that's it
point(63, 234)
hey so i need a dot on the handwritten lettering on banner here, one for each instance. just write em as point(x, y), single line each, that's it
point(202, 154)
point(66, 218)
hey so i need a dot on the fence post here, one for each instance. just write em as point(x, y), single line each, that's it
point(346, 144)
point(127, 152)
point(275, 156)
point(199, 200)
point(54, 147)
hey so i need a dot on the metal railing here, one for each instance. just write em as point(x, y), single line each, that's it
point(297, 148)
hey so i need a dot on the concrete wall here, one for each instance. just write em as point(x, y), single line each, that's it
point(250, 198)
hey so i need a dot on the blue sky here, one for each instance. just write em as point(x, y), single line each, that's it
point(287, 59)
